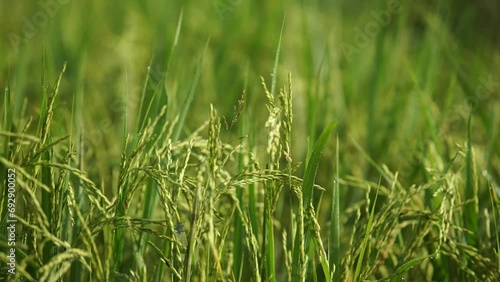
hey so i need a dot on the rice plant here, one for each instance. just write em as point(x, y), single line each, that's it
point(244, 141)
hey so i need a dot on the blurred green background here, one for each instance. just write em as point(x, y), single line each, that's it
point(384, 74)
point(399, 76)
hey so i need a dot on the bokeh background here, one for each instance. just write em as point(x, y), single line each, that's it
point(380, 72)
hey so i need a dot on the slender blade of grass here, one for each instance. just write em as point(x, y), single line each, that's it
point(276, 60)
point(144, 106)
point(334, 252)
point(470, 210)
point(176, 38)
point(189, 97)
point(405, 267)
point(307, 190)
point(495, 210)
